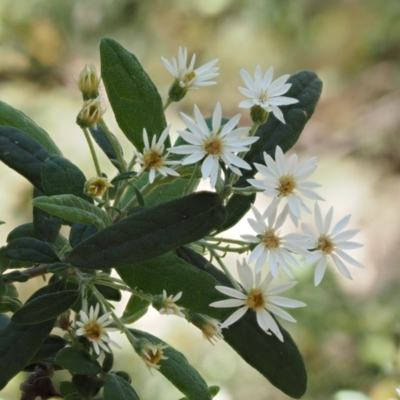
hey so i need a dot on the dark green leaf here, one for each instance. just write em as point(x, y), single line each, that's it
point(31, 250)
point(306, 87)
point(178, 370)
point(4, 321)
point(280, 362)
point(67, 388)
point(134, 98)
point(10, 304)
point(21, 231)
point(23, 154)
point(61, 176)
point(9, 116)
point(213, 391)
point(46, 307)
point(77, 361)
point(80, 232)
point(102, 140)
point(135, 309)
point(116, 388)
point(50, 347)
point(124, 176)
point(108, 292)
point(19, 343)
point(151, 232)
point(73, 209)
point(173, 274)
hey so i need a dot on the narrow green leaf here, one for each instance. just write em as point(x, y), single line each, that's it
point(73, 209)
point(178, 371)
point(135, 309)
point(23, 154)
point(61, 176)
point(77, 361)
point(116, 388)
point(149, 233)
point(46, 307)
point(307, 88)
point(133, 96)
point(280, 362)
point(9, 116)
point(19, 343)
point(108, 292)
point(31, 250)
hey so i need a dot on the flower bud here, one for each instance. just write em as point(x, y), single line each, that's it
point(177, 92)
point(89, 82)
point(258, 115)
point(90, 114)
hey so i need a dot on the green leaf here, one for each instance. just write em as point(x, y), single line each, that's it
point(177, 370)
point(77, 361)
point(73, 209)
point(19, 343)
point(116, 388)
point(31, 250)
point(175, 275)
point(134, 310)
point(23, 154)
point(149, 233)
point(50, 347)
point(108, 292)
point(133, 96)
point(306, 87)
point(280, 362)
point(61, 176)
point(46, 307)
point(9, 116)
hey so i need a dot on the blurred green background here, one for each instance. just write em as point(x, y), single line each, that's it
point(349, 333)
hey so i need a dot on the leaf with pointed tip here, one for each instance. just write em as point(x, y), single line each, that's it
point(30, 250)
point(23, 154)
point(134, 310)
point(46, 307)
point(177, 370)
point(151, 232)
point(10, 116)
point(52, 345)
point(133, 96)
point(116, 388)
point(77, 361)
point(73, 209)
point(61, 176)
point(307, 88)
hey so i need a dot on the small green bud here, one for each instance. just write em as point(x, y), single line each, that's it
point(177, 92)
point(89, 82)
point(124, 375)
point(96, 186)
point(258, 115)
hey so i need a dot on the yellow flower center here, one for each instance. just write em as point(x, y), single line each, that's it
point(188, 77)
point(270, 240)
point(256, 300)
point(287, 185)
point(93, 331)
point(154, 358)
point(153, 159)
point(214, 146)
point(326, 244)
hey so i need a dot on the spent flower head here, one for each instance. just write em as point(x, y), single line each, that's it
point(94, 328)
point(97, 186)
point(167, 304)
point(150, 353)
point(91, 112)
point(258, 297)
point(186, 77)
point(287, 181)
point(89, 82)
point(265, 93)
point(330, 243)
point(215, 144)
point(210, 327)
point(153, 159)
point(271, 245)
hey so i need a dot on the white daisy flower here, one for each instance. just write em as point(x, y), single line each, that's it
point(258, 297)
point(188, 77)
point(214, 145)
point(152, 157)
point(168, 306)
point(330, 243)
point(285, 180)
point(271, 245)
point(95, 330)
point(265, 93)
